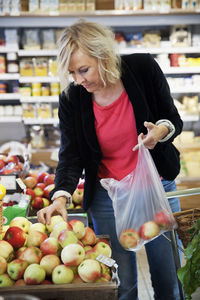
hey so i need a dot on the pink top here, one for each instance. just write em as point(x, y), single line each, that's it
point(117, 135)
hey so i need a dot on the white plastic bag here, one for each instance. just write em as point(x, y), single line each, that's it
point(141, 208)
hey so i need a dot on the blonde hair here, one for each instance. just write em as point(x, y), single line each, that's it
point(95, 40)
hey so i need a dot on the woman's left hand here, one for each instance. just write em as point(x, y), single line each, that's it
point(154, 134)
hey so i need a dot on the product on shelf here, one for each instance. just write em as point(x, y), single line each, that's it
point(36, 89)
point(151, 39)
point(180, 36)
point(29, 110)
point(53, 67)
point(55, 88)
point(41, 66)
point(48, 39)
point(25, 90)
point(45, 90)
point(37, 136)
point(43, 110)
point(2, 64)
point(30, 40)
point(26, 67)
point(12, 62)
point(3, 87)
point(191, 105)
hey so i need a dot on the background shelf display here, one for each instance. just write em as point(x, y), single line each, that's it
point(120, 21)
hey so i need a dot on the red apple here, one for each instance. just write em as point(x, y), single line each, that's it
point(67, 237)
point(129, 238)
point(149, 230)
point(50, 246)
point(31, 255)
point(89, 238)
point(16, 268)
point(162, 220)
point(40, 176)
point(12, 158)
point(46, 202)
point(89, 270)
point(20, 282)
point(48, 189)
point(78, 228)
point(80, 185)
point(30, 192)
point(15, 236)
point(41, 185)
point(49, 179)
point(77, 196)
point(30, 182)
point(37, 202)
point(2, 163)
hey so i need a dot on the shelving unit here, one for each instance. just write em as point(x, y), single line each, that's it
point(118, 20)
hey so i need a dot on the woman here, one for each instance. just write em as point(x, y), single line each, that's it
point(112, 100)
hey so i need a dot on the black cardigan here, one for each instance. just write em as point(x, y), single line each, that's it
point(150, 96)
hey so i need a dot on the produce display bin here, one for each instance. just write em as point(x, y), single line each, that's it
point(71, 291)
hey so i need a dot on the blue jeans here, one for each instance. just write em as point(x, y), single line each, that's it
point(159, 251)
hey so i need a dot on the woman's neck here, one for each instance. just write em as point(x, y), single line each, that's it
point(108, 94)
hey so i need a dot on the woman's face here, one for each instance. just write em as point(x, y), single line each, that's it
point(84, 70)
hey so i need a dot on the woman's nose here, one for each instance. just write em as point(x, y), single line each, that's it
point(79, 79)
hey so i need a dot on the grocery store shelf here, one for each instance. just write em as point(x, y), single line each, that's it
point(181, 70)
point(185, 90)
point(10, 96)
point(30, 121)
point(34, 99)
point(10, 119)
point(160, 50)
point(27, 79)
point(40, 52)
point(11, 48)
point(189, 118)
point(106, 17)
point(7, 76)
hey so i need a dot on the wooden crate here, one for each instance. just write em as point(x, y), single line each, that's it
point(75, 291)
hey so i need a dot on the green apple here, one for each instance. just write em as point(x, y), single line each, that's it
point(58, 228)
point(21, 222)
point(16, 268)
point(5, 281)
point(103, 248)
point(6, 250)
point(49, 262)
point(38, 226)
point(3, 265)
point(62, 274)
point(78, 228)
point(35, 238)
point(72, 255)
point(34, 274)
point(67, 237)
point(53, 222)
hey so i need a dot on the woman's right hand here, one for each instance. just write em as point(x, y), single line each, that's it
point(57, 207)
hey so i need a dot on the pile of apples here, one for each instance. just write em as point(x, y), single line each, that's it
point(38, 187)
point(58, 253)
point(10, 164)
point(77, 196)
point(131, 238)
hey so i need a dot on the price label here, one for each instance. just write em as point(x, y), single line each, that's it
point(9, 182)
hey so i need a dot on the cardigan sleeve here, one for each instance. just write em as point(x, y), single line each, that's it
point(165, 108)
point(69, 168)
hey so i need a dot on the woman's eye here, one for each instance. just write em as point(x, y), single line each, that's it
point(83, 70)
